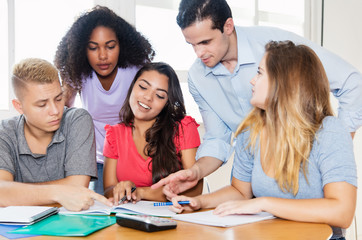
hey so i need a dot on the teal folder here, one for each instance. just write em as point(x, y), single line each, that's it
point(67, 225)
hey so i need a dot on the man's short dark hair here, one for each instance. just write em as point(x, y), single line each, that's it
point(191, 11)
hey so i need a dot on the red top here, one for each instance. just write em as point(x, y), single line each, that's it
point(119, 144)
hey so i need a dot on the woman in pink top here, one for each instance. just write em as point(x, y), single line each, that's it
point(155, 137)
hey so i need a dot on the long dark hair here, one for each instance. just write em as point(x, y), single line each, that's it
point(160, 137)
point(71, 55)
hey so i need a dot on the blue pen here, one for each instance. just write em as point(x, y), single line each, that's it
point(169, 203)
point(125, 196)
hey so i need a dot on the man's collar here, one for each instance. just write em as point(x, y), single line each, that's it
point(245, 55)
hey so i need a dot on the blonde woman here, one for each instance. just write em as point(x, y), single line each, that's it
point(293, 158)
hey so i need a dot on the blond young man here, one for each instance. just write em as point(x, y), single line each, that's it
point(48, 149)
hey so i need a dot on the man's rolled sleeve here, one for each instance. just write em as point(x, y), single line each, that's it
point(215, 148)
point(350, 102)
point(216, 141)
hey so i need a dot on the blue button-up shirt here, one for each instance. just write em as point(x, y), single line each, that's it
point(224, 98)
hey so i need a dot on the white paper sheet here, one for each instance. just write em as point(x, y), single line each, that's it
point(208, 218)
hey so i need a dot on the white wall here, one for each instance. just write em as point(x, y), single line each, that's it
point(343, 36)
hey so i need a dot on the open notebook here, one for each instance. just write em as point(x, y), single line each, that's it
point(141, 207)
point(25, 215)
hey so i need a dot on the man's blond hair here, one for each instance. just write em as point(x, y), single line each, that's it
point(32, 70)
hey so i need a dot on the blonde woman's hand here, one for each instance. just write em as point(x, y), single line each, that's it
point(250, 206)
point(194, 204)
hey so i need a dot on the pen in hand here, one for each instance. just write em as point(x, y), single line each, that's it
point(125, 196)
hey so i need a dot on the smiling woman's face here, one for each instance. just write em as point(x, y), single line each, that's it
point(149, 95)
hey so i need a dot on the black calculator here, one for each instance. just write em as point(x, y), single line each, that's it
point(145, 223)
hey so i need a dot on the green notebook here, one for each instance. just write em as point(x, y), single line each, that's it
point(67, 225)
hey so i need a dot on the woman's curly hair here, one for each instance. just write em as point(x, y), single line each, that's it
point(71, 55)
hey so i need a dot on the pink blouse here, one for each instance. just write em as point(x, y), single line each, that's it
point(131, 166)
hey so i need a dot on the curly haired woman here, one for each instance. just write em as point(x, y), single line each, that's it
point(98, 58)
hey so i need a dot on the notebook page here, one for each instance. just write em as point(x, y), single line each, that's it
point(145, 207)
point(97, 208)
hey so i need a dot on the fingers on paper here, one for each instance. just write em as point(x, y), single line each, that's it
point(101, 199)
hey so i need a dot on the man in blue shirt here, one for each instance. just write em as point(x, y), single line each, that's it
point(228, 58)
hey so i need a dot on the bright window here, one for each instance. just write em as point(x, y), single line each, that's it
point(39, 27)
point(41, 24)
point(4, 65)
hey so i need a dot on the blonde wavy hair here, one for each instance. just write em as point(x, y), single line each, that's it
point(297, 103)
